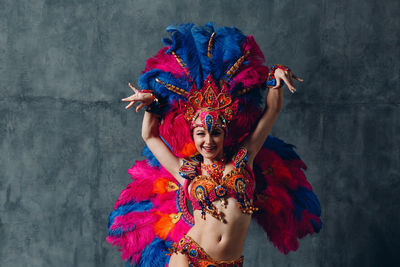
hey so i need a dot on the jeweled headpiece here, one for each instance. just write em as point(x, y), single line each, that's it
point(210, 103)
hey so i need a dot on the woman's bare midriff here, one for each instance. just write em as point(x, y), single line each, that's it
point(222, 240)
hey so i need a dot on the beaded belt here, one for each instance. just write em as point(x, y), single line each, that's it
point(198, 257)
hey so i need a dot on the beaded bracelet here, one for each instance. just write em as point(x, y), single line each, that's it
point(154, 107)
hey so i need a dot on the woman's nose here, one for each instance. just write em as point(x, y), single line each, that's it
point(208, 139)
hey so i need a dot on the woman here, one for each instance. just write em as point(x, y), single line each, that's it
point(218, 177)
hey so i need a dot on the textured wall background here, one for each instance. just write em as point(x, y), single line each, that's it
point(66, 140)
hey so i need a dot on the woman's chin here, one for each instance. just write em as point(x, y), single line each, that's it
point(210, 154)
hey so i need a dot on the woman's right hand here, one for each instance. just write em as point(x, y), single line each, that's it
point(287, 77)
point(138, 96)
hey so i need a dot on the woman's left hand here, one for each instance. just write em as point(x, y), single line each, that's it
point(287, 76)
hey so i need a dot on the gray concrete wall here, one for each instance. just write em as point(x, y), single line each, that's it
point(66, 140)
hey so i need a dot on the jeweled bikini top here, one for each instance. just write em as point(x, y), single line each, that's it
point(238, 183)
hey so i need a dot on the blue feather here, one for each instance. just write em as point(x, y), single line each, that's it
point(317, 227)
point(190, 42)
point(227, 50)
point(305, 199)
point(184, 45)
point(154, 255)
point(125, 209)
point(201, 36)
point(284, 150)
point(146, 152)
point(147, 81)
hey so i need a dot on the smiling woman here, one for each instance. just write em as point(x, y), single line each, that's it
point(205, 134)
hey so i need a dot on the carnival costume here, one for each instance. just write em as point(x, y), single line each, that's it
point(215, 75)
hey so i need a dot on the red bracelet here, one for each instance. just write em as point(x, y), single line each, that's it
point(279, 66)
point(146, 91)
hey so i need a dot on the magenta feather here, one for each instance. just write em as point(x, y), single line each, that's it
point(179, 230)
point(165, 62)
point(172, 121)
point(253, 72)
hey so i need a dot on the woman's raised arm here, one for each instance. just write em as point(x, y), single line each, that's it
point(274, 100)
point(150, 133)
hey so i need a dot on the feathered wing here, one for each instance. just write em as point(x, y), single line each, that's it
point(148, 216)
point(289, 209)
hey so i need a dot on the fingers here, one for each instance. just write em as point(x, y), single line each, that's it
point(297, 78)
point(133, 88)
point(133, 99)
point(140, 106)
point(130, 98)
point(278, 83)
point(130, 105)
point(289, 83)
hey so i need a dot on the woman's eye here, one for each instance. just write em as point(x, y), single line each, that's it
point(217, 133)
point(201, 134)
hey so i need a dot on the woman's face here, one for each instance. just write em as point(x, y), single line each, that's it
point(209, 145)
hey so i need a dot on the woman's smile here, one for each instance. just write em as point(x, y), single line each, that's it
point(209, 149)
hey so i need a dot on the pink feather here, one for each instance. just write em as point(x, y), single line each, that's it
point(296, 168)
point(179, 230)
point(175, 119)
point(141, 188)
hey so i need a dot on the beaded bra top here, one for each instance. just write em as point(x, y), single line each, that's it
point(238, 183)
